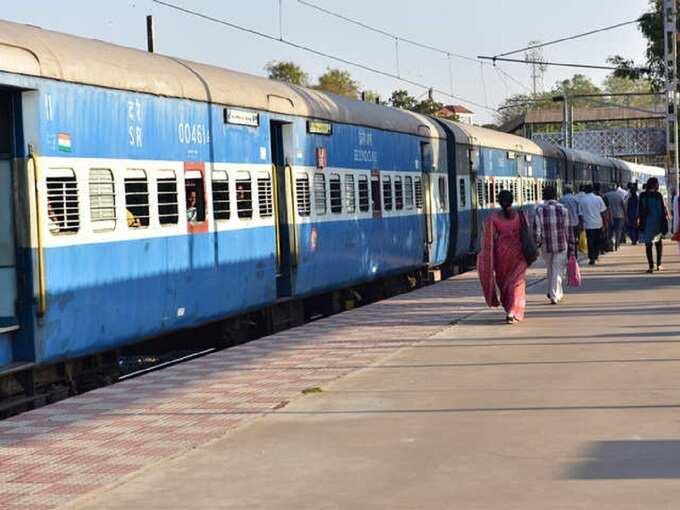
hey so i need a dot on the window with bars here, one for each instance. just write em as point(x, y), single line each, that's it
point(264, 196)
point(387, 192)
point(244, 196)
point(398, 193)
point(304, 202)
point(220, 195)
point(336, 193)
point(350, 195)
point(320, 194)
point(443, 201)
point(168, 206)
point(418, 184)
point(408, 192)
point(63, 213)
point(375, 194)
point(364, 198)
point(462, 194)
point(481, 202)
point(137, 198)
point(102, 199)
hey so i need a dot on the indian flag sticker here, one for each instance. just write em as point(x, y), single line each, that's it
point(64, 142)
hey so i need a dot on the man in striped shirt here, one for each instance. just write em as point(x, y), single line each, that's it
point(555, 237)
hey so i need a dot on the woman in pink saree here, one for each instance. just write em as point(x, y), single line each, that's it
point(501, 264)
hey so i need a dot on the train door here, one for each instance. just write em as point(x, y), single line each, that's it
point(8, 271)
point(429, 210)
point(284, 214)
point(475, 185)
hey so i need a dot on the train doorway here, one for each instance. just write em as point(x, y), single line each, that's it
point(286, 229)
point(8, 270)
point(426, 169)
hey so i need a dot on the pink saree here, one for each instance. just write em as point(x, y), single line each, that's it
point(501, 265)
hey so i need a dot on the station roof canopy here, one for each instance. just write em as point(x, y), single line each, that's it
point(30, 50)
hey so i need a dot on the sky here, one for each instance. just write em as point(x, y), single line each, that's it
point(469, 28)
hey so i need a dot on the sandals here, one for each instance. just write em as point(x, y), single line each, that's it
point(511, 320)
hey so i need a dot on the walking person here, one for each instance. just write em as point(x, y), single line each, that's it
point(614, 199)
point(555, 237)
point(632, 210)
point(501, 264)
point(676, 218)
point(592, 209)
point(652, 222)
point(570, 201)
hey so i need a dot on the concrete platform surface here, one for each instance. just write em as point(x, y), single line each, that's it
point(577, 407)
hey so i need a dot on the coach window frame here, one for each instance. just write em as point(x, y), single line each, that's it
point(134, 209)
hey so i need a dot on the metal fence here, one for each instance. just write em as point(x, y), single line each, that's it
point(618, 142)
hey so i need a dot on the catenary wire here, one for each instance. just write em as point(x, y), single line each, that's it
point(317, 52)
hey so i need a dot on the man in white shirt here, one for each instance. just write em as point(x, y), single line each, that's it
point(591, 208)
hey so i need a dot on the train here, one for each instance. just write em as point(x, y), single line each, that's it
point(143, 194)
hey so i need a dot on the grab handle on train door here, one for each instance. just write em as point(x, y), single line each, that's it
point(42, 292)
point(277, 217)
point(295, 248)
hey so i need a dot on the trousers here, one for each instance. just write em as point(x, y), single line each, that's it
point(593, 236)
point(556, 264)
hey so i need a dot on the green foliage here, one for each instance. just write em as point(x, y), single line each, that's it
point(401, 99)
point(428, 106)
point(371, 96)
point(288, 72)
point(337, 81)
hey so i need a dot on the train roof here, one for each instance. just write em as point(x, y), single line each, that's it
point(30, 50)
point(475, 135)
point(646, 169)
point(589, 158)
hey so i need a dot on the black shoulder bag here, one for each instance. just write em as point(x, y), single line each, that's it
point(529, 248)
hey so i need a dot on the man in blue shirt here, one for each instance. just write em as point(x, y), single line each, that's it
point(571, 203)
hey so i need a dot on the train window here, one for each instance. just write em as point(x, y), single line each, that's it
point(304, 204)
point(244, 195)
point(408, 192)
point(264, 196)
point(168, 207)
point(442, 194)
point(195, 196)
point(350, 195)
point(387, 192)
point(137, 198)
point(490, 194)
point(63, 214)
point(418, 187)
point(102, 199)
point(220, 195)
point(375, 193)
point(462, 193)
point(320, 193)
point(364, 200)
point(336, 193)
point(398, 193)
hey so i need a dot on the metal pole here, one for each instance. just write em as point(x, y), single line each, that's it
point(670, 13)
point(150, 35)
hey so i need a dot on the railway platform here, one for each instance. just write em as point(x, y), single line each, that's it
point(424, 400)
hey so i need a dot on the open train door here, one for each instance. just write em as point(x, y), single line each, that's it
point(475, 185)
point(428, 209)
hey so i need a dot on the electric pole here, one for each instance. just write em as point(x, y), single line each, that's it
point(670, 15)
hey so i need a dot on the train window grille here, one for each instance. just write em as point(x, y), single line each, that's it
point(335, 193)
point(102, 199)
point(418, 186)
point(350, 194)
point(364, 198)
point(265, 197)
point(375, 193)
point(137, 199)
point(168, 203)
point(398, 193)
point(408, 192)
point(302, 193)
point(490, 193)
point(462, 193)
point(480, 193)
point(443, 200)
point(220, 195)
point(63, 214)
point(387, 192)
point(320, 205)
point(244, 196)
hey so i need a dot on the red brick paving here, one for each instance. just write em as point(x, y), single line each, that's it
point(53, 455)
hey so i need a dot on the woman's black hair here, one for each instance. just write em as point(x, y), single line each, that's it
point(652, 182)
point(505, 199)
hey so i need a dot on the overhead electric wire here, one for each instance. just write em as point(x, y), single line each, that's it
point(558, 64)
point(315, 52)
point(569, 38)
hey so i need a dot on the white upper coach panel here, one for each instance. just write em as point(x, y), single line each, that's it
point(30, 50)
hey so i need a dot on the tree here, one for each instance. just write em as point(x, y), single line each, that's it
point(401, 99)
point(371, 96)
point(428, 106)
point(288, 72)
point(337, 81)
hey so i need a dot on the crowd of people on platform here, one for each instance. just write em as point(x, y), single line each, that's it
point(601, 221)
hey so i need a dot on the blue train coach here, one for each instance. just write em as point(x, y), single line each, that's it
point(143, 194)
